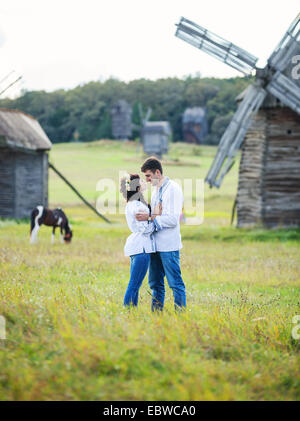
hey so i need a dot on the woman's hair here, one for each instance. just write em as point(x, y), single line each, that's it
point(131, 189)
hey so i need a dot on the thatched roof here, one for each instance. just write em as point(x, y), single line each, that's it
point(20, 130)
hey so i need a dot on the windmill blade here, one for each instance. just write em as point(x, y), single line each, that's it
point(141, 113)
point(11, 84)
point(148, 115)
point(216, 46)
point(287, 47)
point(6, 76)
point(140, 110)
point(285, 90)
point(234, 134)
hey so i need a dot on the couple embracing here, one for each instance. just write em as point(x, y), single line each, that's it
point(155, 240)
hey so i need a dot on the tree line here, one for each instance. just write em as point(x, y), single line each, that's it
point(84, 112)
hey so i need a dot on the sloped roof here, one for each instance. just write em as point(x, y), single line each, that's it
point(20, 130)
point(121, 106)
point(194, 114)
point(157, 126)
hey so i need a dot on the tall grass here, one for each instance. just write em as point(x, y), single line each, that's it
point(69, 337)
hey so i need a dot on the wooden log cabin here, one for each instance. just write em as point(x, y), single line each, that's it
point(269, 174)
point(23, 164)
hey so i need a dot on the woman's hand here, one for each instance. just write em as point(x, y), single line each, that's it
point(142, 216)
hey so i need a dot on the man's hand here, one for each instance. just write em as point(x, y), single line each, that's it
point(142, 216)
point(158, 209)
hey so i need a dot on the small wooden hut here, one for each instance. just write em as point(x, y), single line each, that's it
point(23, 164)
point(121, 120)
point(269, 174)
point(155, 137)
point(194, 125)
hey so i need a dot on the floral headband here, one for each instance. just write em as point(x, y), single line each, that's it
point(142, 183)
point(127, 182)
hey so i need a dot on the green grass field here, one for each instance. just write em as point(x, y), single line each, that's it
point(86, 163)
point(69, 338)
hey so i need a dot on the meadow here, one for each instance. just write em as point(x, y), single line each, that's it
point(68, 336)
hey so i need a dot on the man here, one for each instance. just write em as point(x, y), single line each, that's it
point(166, 260)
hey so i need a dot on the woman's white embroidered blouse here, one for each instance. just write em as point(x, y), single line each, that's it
point(141, 240)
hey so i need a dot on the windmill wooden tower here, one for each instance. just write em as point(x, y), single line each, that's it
point(121, 120)
point(153, 134)
point(266, 122)
point(194, 125)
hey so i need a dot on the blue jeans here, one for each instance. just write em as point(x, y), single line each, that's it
point(166, 263)
point(138, 269)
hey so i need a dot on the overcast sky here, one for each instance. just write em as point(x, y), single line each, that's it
point(63, 43)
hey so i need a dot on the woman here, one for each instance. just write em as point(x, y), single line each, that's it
point(141, 242)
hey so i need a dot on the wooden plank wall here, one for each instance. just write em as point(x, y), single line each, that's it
point(282, 175)
point(29, 183)
point(121, 121)
point(269, 173)
point(7, 183)
point(250, 185)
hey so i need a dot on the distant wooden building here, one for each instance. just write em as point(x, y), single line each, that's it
point(121, 120)
point(269, 174)
point(155, 137)
point(194, 125)
point(23, 164)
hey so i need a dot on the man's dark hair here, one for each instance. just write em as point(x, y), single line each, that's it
point(152, 164)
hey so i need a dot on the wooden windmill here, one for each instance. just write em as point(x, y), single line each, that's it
point(194, 125)
point(267, 121)
point(121, 120)
point(154, 134)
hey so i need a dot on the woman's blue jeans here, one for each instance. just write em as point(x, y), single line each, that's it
point(138, 269)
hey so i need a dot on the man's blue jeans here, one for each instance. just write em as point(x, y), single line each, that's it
point(166, 263)
point(138, 269)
